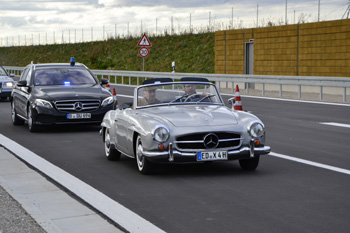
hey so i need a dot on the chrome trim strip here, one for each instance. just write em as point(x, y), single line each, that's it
point(252, 148)
point(171, 155)
point(231, 139)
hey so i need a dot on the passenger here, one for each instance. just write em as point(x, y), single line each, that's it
point(75, 80)
point(149, 97)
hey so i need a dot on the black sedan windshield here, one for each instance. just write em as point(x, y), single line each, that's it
point(63, 76)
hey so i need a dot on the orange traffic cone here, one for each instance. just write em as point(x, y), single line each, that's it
point(238, 102)
point(115, 99)
point(108, 87)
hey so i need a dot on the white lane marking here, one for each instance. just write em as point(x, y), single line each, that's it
point(320, 165)
point(335, 124)
point(112, 209)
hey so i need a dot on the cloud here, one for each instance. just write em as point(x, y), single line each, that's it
point(48, 16)
point(170, 3)
point(12, 21)
point(47, 5)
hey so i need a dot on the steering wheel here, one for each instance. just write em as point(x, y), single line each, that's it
point(190, 96)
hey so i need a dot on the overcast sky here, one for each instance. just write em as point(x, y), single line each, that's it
point(83, 20)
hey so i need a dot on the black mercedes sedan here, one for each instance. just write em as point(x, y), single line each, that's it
point(62, 93)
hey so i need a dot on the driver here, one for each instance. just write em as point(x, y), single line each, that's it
point(149, 97)
point(191, 94)
point(190, 89)
point(43, 80)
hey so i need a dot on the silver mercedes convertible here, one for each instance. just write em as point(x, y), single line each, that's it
point(182, 122)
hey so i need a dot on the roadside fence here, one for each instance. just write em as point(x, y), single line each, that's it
point(261, 85)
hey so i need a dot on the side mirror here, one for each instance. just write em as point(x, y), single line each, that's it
point(104, 81)
point(22, 83)
point(232, 101)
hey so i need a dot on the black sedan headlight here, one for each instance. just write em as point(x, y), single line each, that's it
point(161, 134)
point(109, 100)
point(43, 103)
point(256, 129)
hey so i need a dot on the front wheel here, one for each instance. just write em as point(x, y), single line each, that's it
point(14, 117)
point(110, 151)
point(249, 164)
point(144, 165)
point(31, 121)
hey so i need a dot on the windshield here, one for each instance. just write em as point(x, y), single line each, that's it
point(2, 72)
point(177, 93)
point(63, 76)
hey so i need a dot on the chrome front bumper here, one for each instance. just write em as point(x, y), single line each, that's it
point(171, 154)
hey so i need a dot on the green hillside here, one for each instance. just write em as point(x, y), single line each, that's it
point(193, 53)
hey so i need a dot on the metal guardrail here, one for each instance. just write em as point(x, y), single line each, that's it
point(126, 77)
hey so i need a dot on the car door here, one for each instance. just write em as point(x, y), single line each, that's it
point(121, 128)
point(22, 93)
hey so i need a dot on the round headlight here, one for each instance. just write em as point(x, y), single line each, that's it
point(161, 134)
point(256, 130)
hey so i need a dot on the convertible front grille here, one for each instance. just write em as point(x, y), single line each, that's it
point(197, 141)
point(77, 105)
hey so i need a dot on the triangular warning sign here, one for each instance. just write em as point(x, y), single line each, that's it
point(144, 42)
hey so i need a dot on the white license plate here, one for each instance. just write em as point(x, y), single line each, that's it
point(78, 115)
point(212, 155)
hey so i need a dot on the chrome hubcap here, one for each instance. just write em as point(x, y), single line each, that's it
point(139, 155)
point(13, 112)
point(30, 120)
point(107, 142)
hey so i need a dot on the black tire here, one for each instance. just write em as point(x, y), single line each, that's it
point(31, 121)
point(144, 165)
point(15, 119)
point(249, 164)
point(111, 153)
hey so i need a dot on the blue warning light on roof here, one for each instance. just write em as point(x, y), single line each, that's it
point(72, 61)
point(66, 83)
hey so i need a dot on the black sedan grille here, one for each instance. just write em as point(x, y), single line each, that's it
point(197, 141)
point(77, 105)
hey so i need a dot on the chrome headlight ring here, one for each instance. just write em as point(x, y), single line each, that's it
point(161, 134)
point(256, 129)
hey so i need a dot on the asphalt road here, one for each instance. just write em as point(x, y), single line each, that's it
point(280, 196)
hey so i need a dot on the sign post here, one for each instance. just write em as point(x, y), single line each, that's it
point(144, 52)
